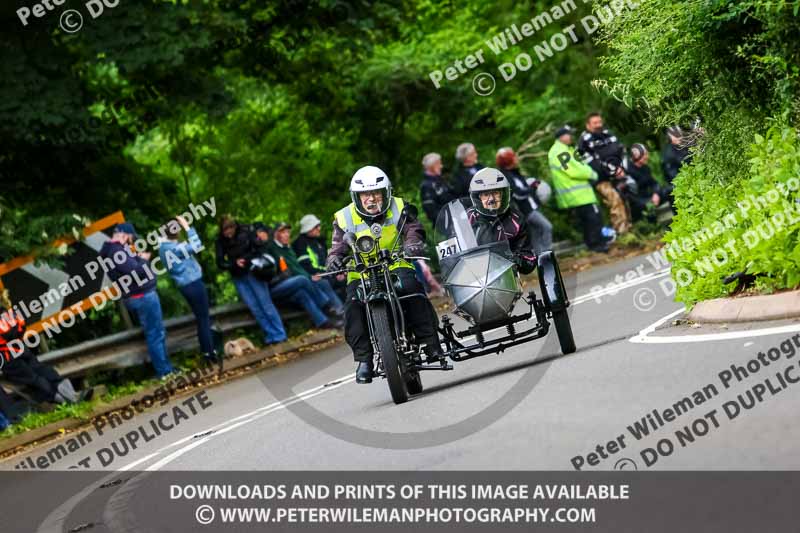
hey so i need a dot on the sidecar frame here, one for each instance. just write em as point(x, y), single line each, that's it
point(554, 298)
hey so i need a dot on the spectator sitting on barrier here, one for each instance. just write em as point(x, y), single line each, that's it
point(20, 366)
point(286, 286)
point(178, 258)
point(645, 190)
point(236, 247)
point(324, 295)
point(312, 253)
point(467, 167)
point(603, 151)
point(435, 191)
point(132, 273)
point(9, 413)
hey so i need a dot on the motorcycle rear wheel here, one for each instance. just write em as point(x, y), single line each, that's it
point(391, 361)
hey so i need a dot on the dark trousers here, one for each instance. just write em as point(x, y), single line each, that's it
point(197, 297)
point(6, 406)
point(591, 224)
point(420, 316)
point(40, 379)
point(638, 205)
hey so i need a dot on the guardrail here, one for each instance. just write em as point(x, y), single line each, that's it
point(128, 348)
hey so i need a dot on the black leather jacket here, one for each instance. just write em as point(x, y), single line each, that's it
point(510, 226)
point(603, 152)
point(436, 192)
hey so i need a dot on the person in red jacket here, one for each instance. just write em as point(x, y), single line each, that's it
point(20, 366)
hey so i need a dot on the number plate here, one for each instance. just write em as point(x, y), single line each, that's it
point(448, 248)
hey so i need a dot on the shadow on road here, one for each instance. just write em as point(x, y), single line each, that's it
point(513, 368)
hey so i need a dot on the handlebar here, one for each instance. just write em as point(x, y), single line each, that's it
point(395, 257)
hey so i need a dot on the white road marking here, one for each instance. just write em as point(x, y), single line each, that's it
point(253, 416)
point(621, 286)
point(54, 522)
point(643, 337)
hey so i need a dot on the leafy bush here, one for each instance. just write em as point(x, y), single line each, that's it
point(735, 65)
point(751, 226)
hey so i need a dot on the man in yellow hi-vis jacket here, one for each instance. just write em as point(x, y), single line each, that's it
point(373, 203)
point(572, 180)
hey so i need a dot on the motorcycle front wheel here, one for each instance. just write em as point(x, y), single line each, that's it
point(391, 361)
point(414, 383)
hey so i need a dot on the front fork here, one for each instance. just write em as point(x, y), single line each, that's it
point(390, 297)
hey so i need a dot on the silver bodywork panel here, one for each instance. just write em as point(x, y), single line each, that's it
point(483, 285)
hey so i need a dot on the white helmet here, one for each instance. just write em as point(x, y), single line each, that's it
point(488, 180)
point(543, 190)
point(371, 179)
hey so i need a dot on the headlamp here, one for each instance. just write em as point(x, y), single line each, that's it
point(365, 244)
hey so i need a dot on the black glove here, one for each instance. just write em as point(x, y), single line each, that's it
point(334, 263)
point(526, 263)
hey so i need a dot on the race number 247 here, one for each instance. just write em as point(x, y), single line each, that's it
point(447, 248)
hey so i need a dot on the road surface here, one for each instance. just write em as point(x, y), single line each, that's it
point(640, 393)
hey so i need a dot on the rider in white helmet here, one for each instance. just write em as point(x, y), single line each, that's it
point(373, 204)
point(493, 218)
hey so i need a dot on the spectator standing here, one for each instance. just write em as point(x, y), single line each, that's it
point(179, 260)
point(435, 190)
point(646, 190)
point(675, 154)
point(324, 295)
point(41, 380)
point(524, 196)
point(467, 166)
point(141, 297)
point(287, 287)
point(603, 152)
point(572, 181)
point(236, 248)
point(312, 253)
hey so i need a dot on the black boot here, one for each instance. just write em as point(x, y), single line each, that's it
point(434, 353)
point(364, 372)
point(214, 358)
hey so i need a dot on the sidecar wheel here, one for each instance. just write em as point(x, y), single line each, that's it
point(414, 383)
point(391, 361)
point(564, 331)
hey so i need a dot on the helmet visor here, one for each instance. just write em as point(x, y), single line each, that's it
point(371, 203)
point(492, 202)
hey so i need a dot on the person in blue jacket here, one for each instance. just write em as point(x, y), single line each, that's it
point(178, 258)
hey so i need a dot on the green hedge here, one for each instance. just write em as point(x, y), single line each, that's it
point(749, 225)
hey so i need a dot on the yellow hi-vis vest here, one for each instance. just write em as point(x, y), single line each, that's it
point(349, 220)
point(571, 177)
